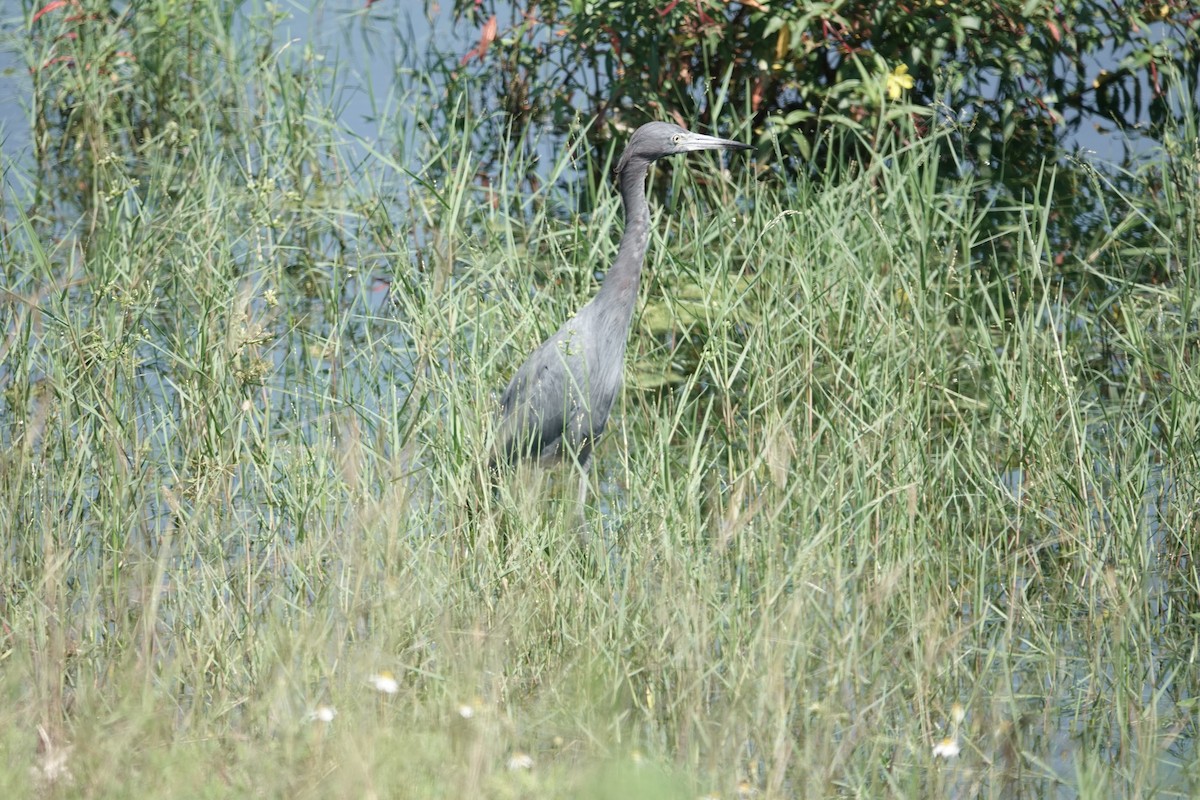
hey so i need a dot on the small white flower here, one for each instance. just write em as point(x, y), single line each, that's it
point(322, 714)
point(946, 748)
point(519, 760)
point(385, 682)
point(466, 711)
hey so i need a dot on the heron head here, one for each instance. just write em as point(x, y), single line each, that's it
point(655, 140)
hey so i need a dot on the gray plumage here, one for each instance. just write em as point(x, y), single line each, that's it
point(558, 402)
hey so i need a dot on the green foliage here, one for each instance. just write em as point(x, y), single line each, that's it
point(1017, 78)
point(1019, 72)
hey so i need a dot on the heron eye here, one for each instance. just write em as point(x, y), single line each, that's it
point(677, 138)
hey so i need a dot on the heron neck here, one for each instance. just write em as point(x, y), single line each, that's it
point(621, 282)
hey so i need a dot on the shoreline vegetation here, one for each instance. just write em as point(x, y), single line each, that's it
point(899, 500)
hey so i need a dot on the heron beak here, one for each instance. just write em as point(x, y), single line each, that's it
point(698, 141)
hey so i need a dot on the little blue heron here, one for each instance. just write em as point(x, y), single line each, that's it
point(559, 401)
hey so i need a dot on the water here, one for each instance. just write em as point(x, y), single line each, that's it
point(15, 92)
point(374, 48)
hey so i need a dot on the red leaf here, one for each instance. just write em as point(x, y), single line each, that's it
point(46, 9)
point(486, 37)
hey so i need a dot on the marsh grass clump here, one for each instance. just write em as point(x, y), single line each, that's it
point(884, 479)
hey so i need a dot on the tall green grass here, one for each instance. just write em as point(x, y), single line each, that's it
point(876, 469)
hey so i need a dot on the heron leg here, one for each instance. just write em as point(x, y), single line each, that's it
point(583, 464)
point(585, 478)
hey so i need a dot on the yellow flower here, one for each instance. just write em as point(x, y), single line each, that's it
point(897, 81)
